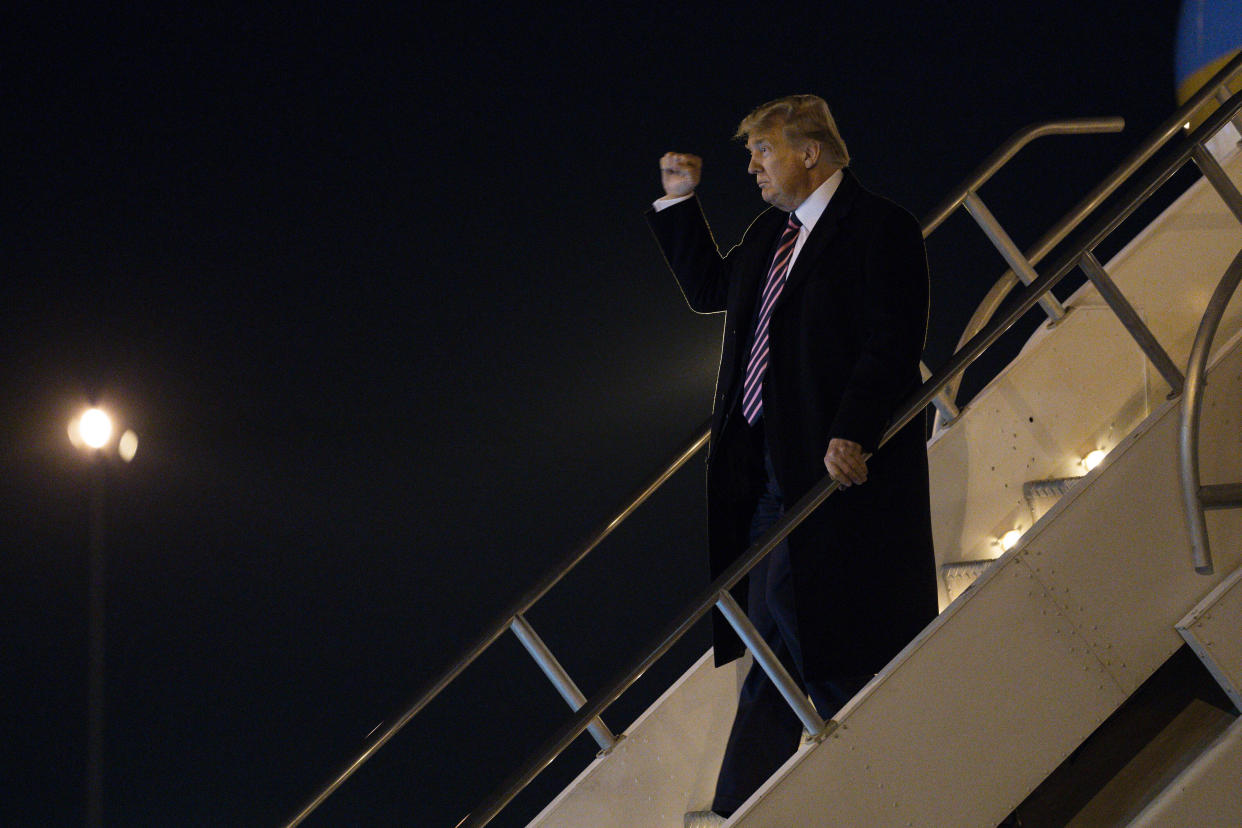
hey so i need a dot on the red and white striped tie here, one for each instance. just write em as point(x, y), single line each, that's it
point(752, 387)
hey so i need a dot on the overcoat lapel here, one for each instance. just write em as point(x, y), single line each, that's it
point(756, 273)
point(754, 276)
point(825, 229)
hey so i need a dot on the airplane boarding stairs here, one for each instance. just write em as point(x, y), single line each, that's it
point(1035, 646)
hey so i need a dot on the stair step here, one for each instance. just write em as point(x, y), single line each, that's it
point(1042, 495)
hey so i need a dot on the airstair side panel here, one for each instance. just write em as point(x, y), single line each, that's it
point(1023, 666)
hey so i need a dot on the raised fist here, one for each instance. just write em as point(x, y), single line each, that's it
point(680, 173)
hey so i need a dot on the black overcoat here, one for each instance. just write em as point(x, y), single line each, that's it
point(845, 339)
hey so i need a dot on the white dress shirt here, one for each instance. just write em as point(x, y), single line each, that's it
point(808, 212)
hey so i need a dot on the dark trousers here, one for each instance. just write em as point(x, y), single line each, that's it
point(765, 730)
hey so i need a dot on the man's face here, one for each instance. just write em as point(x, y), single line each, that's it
point(779, 168)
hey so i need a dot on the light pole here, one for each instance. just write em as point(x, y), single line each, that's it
point(92, 432)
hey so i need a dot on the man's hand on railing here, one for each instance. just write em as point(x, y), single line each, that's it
point(845, 462)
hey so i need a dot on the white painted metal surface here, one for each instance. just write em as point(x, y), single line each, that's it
point(1032, 657)
point(667, 762)
point(1208, 794)
point(1213, 630)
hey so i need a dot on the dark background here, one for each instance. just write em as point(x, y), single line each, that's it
point(375, 291)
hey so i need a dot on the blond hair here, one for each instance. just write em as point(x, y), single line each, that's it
point(804, 118)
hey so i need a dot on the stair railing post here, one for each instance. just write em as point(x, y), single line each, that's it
point(1130, 320)
point(560, 678)
point(946, 408)
point(1221, 496)
point(1010, 252)
point(767, 659)
point(1219, 179)
point(1188, 428)
point(1223, 95)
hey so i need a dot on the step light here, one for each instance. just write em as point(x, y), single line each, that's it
point(1093, 459)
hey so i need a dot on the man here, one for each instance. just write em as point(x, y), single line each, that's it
point(825, 302)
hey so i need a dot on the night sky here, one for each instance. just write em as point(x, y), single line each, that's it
point(375, 291)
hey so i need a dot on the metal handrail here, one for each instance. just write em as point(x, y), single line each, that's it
point(1170, 127)
point(998, 159)
point(552, 576)
point(704, 601)
point(513, 620)
point(1188, 429)
point(967, 194)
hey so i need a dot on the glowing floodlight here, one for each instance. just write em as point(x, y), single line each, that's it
point(1093, 459)
point(1008, 539)
point(95, 428)
point(127, 446)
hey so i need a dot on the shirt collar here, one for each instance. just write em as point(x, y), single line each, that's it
point(809, 211)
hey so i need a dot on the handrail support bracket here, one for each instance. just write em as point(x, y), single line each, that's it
point(1131, 321)
point(771, 665)
point(1219, 179)
point(1009, 251)
point(560, 678)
